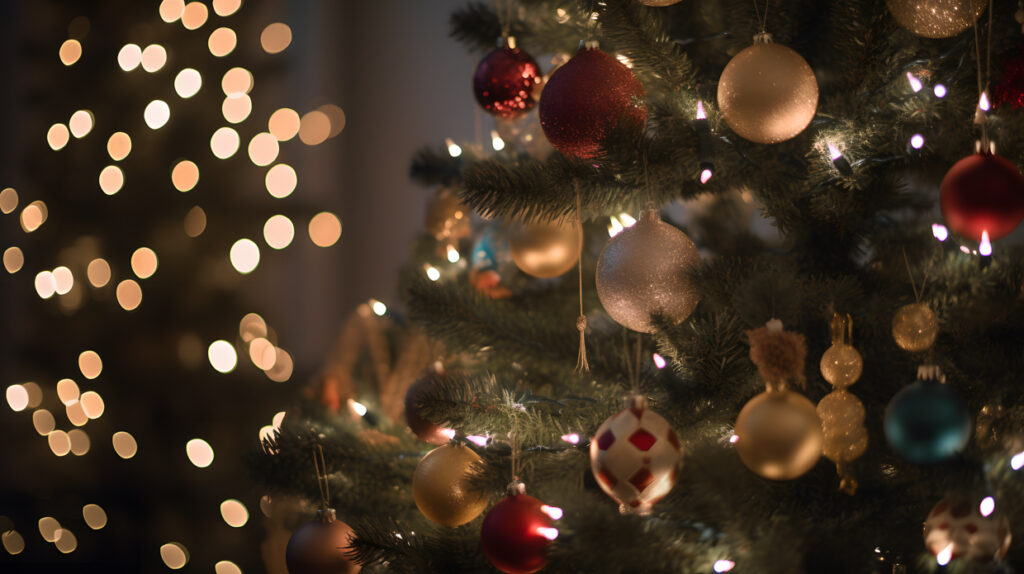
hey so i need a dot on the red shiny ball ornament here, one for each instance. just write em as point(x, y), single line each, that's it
point(319, 546)
point(586, 99)
point(516, 533)
point(983, 192)
point(504, 81)
point(425, 429)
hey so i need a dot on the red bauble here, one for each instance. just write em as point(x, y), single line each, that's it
point(516, 533)
point(585, 100)
point(983, 192)
point(504, 81)
point(319, 547)
point(420, 426)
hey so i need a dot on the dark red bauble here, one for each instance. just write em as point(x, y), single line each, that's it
point(982, 192)
point(585, 100)
point(420, 426)
point(513, 535)
point(319, 547)
point(504, 82)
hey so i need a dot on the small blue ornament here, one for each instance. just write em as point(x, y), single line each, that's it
point(491, 251)
point(927, 422)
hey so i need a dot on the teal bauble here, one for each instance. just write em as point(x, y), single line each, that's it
point(927, 422)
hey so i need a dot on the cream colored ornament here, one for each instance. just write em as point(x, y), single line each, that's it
point(936, 18)
point(547, 249)
point(767, 92)
point(914, 327)
point(779, 435)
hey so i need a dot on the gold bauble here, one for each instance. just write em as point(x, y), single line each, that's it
point(441, 486)
point(841, 365)
point(545, 250)
point(779, 435)
point(914, 327)
point(659, 2)
point(767, 93)
point(936, 18)
point(840, 413)
point(847, 446)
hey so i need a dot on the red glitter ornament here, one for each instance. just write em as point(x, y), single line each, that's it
point(586, 99)
point(983, 192)
point(1009, 90)
point(505, 79)
point(516, 533)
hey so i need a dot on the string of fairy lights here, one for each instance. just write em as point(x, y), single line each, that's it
point(84, 259)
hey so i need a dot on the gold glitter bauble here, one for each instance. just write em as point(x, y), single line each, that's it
point(779, 435)
point(914, 327)
point(440, 486)
point(936, 18)
point(545, 249)
point(840, 413)
point(659, 2)
point(841, 365)
point(642, 272)
point(767, 93)
point(847, 446)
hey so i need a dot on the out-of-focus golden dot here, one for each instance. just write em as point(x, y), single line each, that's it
point(222, 356)
point(314, 128)
point(129, 294)
point(8, 200)
point(48, 527)
point(236, 81)
point(67, 391)
point(325, 229)
point(252, 326)
point(70, 52)
point(263, 354)
point(276, 37)
point(185, 175)
point(195, 222)
point(263, 149)
point(111, 179)
point(90, 363)
point(267, 433)
point(236, 108)
point(45, 284)
point(80, 123)
point(226, 8)
point(188, 82)
point(222, 41)
point(94, 516)
point(278, 419)
point(194, 15)
point(43, 422)
point(13, 259)
point(199, 452)
point(234, 513)
point(156, 114)
point(57, 136)
point(144, 262)
point(92, 404)
point(278, 231)
point(79, 442)
point(33, 216)
point(153, 58)
point(63, 280)
point(129, 57)
point(281, 180)
point(284, 124)
point(336, 116)
point(17, 398)
point(13, 542)
point(119, 146)
point(224, 143)
point(245, 256)
point(60, 444)
point(266, 505)
point(226, 567)
point(124, 444)
point(98, 272)
point(76, 414)
point(282, 370)
point(66, 541)
point(171, 10)
point(35, 394)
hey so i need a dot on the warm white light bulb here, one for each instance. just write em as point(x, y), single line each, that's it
point(915, 84)
point(940, 232)
point(985, 247)
point(917, 141)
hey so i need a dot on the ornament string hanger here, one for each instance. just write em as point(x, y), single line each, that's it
point(918, 293)
point(581, 321)
point(762, 20)
point(984, 145)
point(505, 10)
point(320, 467)
point(516, 486)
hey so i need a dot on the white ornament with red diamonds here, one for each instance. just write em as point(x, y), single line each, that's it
point(967, 526)
point(636, 456)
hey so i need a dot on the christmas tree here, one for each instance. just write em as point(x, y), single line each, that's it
point(677, 398)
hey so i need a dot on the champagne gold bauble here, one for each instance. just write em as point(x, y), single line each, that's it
point(440, 486)
point(545, 249)
point(767, 92)
point(642, 272)
point(936, 18)
point(841, 413)
point(779, 435)
point(914, 327)
point(841, 365)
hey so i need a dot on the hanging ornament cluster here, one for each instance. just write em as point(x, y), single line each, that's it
point(983, 193)
point(545, 249)
point(636, 457)
point(914, 327)
point(505, 80)
point(320, 545)
point(441, 486)
point(967, 526)
point(767, 93)
point(927, 421)
point(419, 425)
point(490, 261)
point(778, 432)
point(589, 98)
point(517, 531)
point(936, 18)
point(642, 272)
point(842, 413)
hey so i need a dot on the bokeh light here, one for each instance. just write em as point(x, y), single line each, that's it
point(336, 116)
point(81, 123)
point(283, 366)
point(43, 422)
point(222, 42)
point(67, 391)
point(57, 137)
point(92, 404)
point(111, 179)
point(98, 272)
point(325, 229)
point(278, 419)
point(153, 58)
point(35, 394)
point(236, 81)
point(14, 544)
point(263, 149)
point(66, 542)
point(252, 326)
point(284, 124)
point(124, 444)
point(188, 82)
point(90, 363)
point(185, 175)
point(17, 398)
point(224, 143)
point(156, 114)
point(275, 37)
point(33, 216)
point(278, 231)
point(199, 452)
point(60, 444)
point(63, 280)
point(174, 554)
point(236, 108)
point(226, 567)
point(79, 440)
point(70, 52)
point(314, 128)
point(76, 414)
point(129, 295)
point(48, 527)
point(281, 180)
point(171, 10)
point(262, 353)
point(8, 200)
point(226, 8)
point(234, 513)
point(144, 262)
point(94, 515)
point(195, 222)
point(129, 57)
point(222, 356)
point(14, 259)
point(119, 146)
point(194, 15)
point(45, 284)
point(245, 256)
